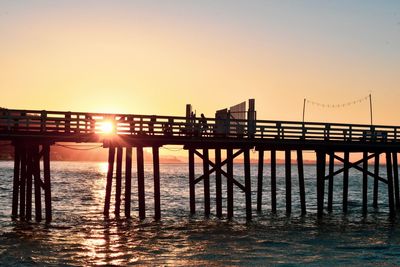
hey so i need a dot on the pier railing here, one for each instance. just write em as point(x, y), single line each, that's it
point(36, 122)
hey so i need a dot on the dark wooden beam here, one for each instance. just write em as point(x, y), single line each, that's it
point(300, 168)
point(110, 172)
point(260, 179)
point(128, 181)
point(156, 169)
point(273, 181)
point(192, 195)
point(218, 183)
point(140, 175)
point(118, 182)
point(247, 180)
point(288, 181)
point(206, 181)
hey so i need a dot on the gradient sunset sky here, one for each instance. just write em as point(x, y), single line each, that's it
point(153, 57)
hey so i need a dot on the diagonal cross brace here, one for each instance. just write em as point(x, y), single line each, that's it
point(355, 166)
point(215, 166)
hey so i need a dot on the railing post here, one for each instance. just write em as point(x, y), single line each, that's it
point(43, 117)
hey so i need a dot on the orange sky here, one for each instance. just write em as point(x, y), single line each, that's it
point(154, 57)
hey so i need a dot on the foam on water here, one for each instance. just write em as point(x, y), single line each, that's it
point(80, 235)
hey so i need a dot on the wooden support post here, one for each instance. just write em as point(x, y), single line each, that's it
point(229, 170)
point(47, 182)
point(118, 181)
point(330, 184)
point(247, 183)
point(288, 181)
point(128, 181)
point(376, 181)
point(218, 183)
point(192, 192)
point(365, 184)
point(273, 181)
point(345, 180)
point(206, 181)
point(156, 170)
point(320, 182)
point(29, 172)
point(37, 183)
point(141, 192)
point(300, 168)
point(17, 163)
point(260, 179)
point(396, 180)
point(110, 172)
point(22, 185)
point(390, 183)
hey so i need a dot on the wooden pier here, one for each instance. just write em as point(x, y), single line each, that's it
point(33, 132)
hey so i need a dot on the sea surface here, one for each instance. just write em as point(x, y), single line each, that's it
point(79, 235)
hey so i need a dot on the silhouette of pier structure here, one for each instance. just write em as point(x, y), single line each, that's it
point(232, 133)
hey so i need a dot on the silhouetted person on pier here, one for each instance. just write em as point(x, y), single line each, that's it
point(151, 125)
point(191, 129)
point(203, 123)
point(167, 127)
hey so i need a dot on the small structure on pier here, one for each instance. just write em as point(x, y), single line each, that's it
point(232, 133)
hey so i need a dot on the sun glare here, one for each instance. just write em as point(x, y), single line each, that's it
point(107, 127)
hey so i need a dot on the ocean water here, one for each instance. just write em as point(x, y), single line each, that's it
point(79, 235)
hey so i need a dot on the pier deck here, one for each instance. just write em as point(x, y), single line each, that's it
point(32, 132)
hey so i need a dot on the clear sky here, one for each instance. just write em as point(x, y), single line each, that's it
point(153, 57)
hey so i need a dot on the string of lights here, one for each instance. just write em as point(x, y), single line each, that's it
point(354, 102)
point(342, 105)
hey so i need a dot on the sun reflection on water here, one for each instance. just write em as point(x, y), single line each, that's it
point(102, 167)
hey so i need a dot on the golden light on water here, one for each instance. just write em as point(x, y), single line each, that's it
point(103, 167)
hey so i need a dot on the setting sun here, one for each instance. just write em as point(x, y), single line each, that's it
point(107, 127)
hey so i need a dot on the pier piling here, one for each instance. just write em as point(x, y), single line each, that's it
point(376, 181)
point(192, 191)
point(218, 182)
point(110, 172)
point(47, 182)
point(229, 168)
point(140, 177)
point(128, 181)
point(389, 168)
point(260, 179)
point(300, 169)
point(273, 181)
point(156, 170)
point(320, 182)
point(365, 184)
point(247, 180)
point(345, 180)
point(288, 182)
point(118, 182)
point(396, 180)
point(330, 180)
point(206, 182)
point(16, 181)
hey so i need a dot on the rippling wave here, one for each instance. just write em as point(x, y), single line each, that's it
point(80, 235)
